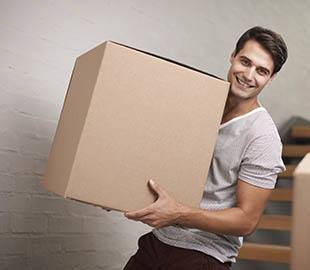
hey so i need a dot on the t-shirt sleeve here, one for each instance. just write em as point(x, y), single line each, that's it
point(262, 162)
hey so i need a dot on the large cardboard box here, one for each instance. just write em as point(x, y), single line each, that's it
point(301, 216)
point(130, 116)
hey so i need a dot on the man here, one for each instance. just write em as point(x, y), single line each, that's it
point(246, 161)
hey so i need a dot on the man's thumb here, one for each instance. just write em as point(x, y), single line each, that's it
point(155, 187)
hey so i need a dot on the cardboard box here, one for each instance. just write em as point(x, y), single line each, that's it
point(301, 216)
point(130, 116)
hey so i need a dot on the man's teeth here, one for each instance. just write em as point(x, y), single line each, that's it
point(243, 83)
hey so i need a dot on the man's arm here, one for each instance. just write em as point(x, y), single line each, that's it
point(239, 220)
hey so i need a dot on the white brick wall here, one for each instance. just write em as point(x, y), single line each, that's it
point(39, 41)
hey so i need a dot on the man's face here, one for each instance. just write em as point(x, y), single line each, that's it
point(251, 69)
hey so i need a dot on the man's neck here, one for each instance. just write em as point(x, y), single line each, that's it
point(235, 107)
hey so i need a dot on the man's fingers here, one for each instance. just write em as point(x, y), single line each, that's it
point(157, 188)
point(149, 219)
point(137, 214)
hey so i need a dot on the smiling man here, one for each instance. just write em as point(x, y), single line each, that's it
point(243, 172)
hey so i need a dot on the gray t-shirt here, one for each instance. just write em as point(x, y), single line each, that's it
point(248, 148)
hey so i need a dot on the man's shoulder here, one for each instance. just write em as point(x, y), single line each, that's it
point(262, 124)
point(255, 124)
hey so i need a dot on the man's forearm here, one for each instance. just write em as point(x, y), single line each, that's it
point(231, 221)
point(239, 220)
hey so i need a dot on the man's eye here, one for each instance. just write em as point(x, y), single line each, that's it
point(245, 62)
point(262, 72)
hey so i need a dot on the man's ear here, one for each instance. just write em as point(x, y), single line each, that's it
point(273, 76)
point(232, 56)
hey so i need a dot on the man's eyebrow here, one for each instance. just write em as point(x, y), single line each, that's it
point(243, 56)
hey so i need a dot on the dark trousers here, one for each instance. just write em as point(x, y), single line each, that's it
point(153, 254)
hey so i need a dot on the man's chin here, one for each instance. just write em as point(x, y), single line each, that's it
point(240, 93)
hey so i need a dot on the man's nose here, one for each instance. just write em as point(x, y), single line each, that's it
point(249, 74)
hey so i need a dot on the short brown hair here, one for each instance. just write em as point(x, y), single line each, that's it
point(270, 41)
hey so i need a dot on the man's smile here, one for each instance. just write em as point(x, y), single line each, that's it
point(243, 83)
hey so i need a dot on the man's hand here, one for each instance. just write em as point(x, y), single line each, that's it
point(163, 212)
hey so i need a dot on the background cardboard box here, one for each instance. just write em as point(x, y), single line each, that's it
point(128, 117)
point(301, 216)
